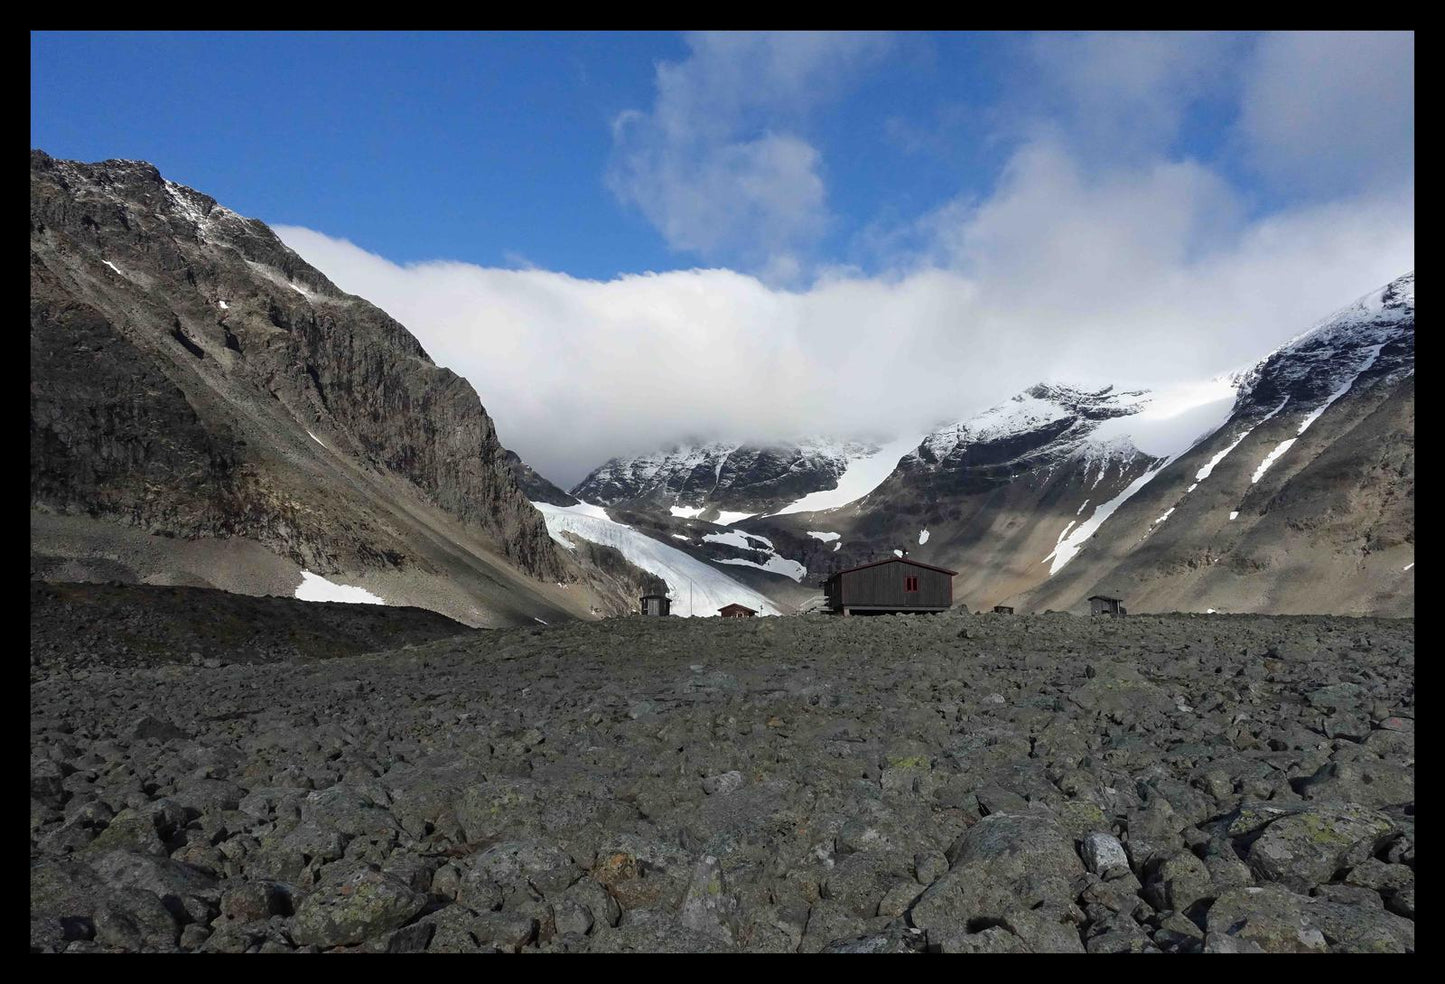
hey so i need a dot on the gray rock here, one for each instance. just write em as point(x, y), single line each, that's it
point(723, 783)
point(357, 908)
point(1104, 855)
point(1306, 849)
point(706, 908)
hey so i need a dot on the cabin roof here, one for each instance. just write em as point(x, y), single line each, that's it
point(894, 560)
point(737, 605)
point(654, 596)
point(1103, 598)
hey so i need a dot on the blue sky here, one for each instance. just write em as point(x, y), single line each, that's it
point(495, 148)
point(757, 209)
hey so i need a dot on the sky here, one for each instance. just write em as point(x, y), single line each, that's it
point(623, 240)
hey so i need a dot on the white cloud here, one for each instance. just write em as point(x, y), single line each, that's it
point(1119, 95)
point(1333, 110)
point(1100, 255)
point(718, 165)
point(1057, 277)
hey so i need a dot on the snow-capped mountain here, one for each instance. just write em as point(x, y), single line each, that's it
point(1301, 501)
point(1285, 486)
point(1039, 428)
point(724, 480)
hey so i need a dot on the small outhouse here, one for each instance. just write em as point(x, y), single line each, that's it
point(736, 611)
point(1105, 605)
point(656, 604)
point(1003, 609)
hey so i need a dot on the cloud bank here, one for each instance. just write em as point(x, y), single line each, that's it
point(1141, 266)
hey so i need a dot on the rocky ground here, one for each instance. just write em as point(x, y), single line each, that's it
point(965, 783)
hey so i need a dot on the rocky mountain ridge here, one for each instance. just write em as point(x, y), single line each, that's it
point(192, 378)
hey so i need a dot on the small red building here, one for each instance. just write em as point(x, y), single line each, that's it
point(736, 611)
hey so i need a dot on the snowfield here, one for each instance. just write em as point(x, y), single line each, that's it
point(864, 474)
point(711, 589)
point(314, 587)
point(774, 563)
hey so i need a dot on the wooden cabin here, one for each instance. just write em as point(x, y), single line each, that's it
point(1105, 605)
point(896, 584)
point(736, 611)
point(656, 604)
point(1003, 609)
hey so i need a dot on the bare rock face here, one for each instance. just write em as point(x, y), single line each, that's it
point(193, 377)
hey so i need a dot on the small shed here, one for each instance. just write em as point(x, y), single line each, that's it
point(656, 604)
point(1003, 609)
point(897, 584)
point(1105, 605)
point(736, 611)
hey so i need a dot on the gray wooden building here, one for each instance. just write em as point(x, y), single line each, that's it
point(1105, 605)
point(656, 604)
point(1003, 609)
point(896, 584)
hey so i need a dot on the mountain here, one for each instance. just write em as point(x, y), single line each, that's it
point(207, 408)
point(1285, 487)
point(1302, 501)
point(534, 486)
point(987, 495)
point(723, 480)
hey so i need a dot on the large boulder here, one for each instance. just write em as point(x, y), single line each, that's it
point(1005, 862)
point(355, 907)
point(1308, 848)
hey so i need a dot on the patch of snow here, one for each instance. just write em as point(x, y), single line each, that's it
point(725, 518)
point(898, 553)
point(224, 305)
point(685, 512)
point(1233, 516)
point(711, 588)
point(922, 538)
point(1081, 508)
point(1069, 545)
point(679, 536)
point(837, 546)
point(863, 474)
point(315, 438)
point(733, 538)
point(1407, 566)
point(1064, 532)
point(825, 537)
point(1204, 472)
point(314, 587)
point(1163, 517)
point(1271, 458)
point(112, 266)
point(775, 564)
